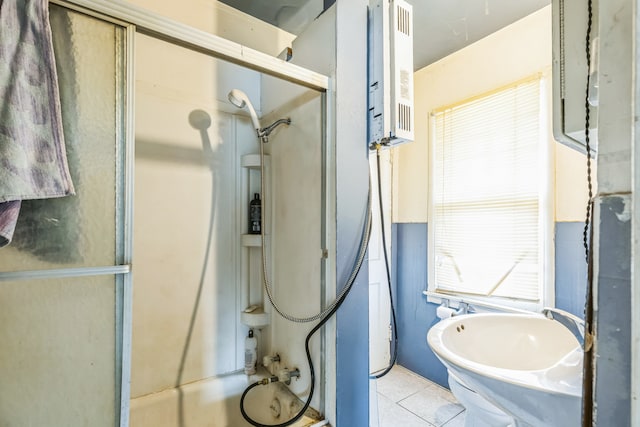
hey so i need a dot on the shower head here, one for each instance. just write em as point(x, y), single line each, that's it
point(238, 98)
point(241, 100)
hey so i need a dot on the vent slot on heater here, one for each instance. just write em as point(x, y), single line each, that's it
point(404, 117)
point(404, 20)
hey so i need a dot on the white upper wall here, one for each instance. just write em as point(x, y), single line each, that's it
point(515, 52)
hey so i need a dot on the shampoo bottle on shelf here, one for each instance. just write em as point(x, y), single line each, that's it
point(250, 353)
point(255, 215)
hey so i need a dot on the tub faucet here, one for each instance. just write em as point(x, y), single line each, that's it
point(574, 324)
point(286, 374)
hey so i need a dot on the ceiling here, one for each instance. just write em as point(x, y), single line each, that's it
point(441, 27)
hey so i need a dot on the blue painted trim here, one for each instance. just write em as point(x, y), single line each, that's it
point(571, 268)
point(352, 329)
point(352, 389)
point(352, 187)
point(415, 315)
point(613, 317)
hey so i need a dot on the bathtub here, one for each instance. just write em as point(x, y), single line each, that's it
point(215, 402)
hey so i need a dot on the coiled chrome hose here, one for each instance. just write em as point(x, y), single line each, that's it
point(267, 283)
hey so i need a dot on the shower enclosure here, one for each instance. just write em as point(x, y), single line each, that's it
point(162, 343)
point(189, 174)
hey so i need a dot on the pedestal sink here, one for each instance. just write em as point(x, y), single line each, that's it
point(527, 365)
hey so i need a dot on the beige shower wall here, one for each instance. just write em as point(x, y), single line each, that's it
point(176, 185)
point(173, 191)
point(296, 204)
point(515, 52)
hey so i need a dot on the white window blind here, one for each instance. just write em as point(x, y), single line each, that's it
point(486, 195)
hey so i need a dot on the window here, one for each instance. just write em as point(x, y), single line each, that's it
point(490, 218)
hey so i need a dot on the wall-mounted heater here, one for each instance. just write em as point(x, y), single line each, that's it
point(391, 120)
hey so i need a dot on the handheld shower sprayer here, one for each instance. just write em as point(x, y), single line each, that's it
point(241, 100)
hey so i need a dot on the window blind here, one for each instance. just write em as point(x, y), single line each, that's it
point(486, 195)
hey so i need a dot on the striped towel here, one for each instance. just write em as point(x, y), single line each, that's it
point(33, 160)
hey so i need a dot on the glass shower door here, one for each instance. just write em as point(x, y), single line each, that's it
point(63, 277)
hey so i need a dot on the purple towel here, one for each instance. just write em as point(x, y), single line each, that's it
point(33, 161)
point(8, 216)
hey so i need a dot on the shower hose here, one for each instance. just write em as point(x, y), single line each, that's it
point(394, 356)
point(335, 306)
point(267, 283)
point(327, 313)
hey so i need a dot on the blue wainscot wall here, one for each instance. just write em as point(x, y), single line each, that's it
point(415, 316)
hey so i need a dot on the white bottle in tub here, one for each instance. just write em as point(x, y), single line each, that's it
point(250, 354)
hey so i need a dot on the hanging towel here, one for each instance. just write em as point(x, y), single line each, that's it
point(33, 160)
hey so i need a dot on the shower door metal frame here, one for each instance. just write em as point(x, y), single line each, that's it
point(135, 20)
point(121, 270)
point(162, 28)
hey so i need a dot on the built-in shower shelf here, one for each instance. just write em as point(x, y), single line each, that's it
point(255, 319)
point(252, 161)
point(250, 183)
point(251, 240)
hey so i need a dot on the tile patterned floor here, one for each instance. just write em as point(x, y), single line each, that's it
point(406, 399)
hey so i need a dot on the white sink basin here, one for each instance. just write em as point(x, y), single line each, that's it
point(526, 365)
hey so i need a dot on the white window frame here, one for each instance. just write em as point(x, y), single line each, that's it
point(546, 218)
